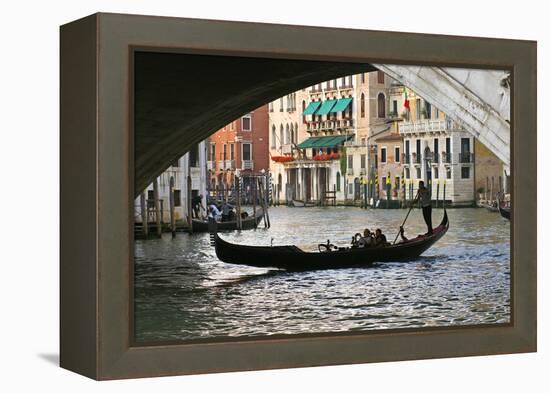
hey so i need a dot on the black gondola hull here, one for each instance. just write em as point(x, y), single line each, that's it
point(504, 212)
point(224, 226)
point(293, 258)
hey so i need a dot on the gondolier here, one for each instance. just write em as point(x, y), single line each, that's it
point(425, 199)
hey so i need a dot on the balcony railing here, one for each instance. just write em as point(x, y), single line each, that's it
point(446, 158)
point(465, 158)
point(211, 165)
point(349, 172)
point(420, 126)
point(220, 164)
point(435, 158)
point(406, 158)
point(417, 158)
point(229, 164)
point(286, 149)
point(248, 164)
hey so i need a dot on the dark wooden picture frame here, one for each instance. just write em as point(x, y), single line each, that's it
point(97, 194)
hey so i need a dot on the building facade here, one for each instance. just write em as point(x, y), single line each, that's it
point(192, 165)
point(329, 152)
point(389, 167)
point(241, 148)
point(435, 150)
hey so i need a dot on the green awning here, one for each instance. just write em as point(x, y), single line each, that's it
point(326, 107)
point(311, 108)
point(341, 105)
point(317, 142)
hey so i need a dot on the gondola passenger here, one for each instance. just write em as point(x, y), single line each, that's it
point(380, 239)
point(366, 240)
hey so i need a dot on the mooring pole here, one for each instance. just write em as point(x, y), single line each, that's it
point(172, 208)
point(437, 194)
point(238, 200)
point(267, 202)
point(253, 191)
point(157, 206)
point(189, 205)
point(144, 223)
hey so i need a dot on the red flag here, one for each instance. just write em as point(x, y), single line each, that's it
point(407, 104)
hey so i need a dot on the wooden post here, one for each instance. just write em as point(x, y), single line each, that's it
point(437, 195)
point(238, 200)
point(157, 206)
point(144, 221)
point(189, 205)
point(172, 208)
point(253, 191)
point(267, 202)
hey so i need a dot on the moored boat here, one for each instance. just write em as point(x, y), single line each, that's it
point(293, 258)
point(249, 222)
point(504, 211)
point(299, 203)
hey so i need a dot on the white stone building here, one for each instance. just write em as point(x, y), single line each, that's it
point(192, 164)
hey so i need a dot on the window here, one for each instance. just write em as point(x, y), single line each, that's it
point(362, 105)
point(407, 173)
point(338, 180)
point(273, 137)
point(465, 145)
point(436, 147)
point(436, 113)
point(350, 161)
point(232, 151)
point(350, 189)
point(350, 81)
point(381, 105)
point(397, 154)
point(363, 161)
point(383, 154)
point(394, 108)
point(177, 198)
point(380, 76)
point(418, 173)
point(407, 147)
point(397, 181)
point(428, 108)
point(246, 122)
point(194, 156)
point(213, 152)
point(176, 163)
point(343, 84)
point(363, 77)
point(418, 109)
point(465, 172)
point(384, 182)
point(224, 152)
point(436, 173)
point(247, 151)
point(271, 106)
point(448, 174)
point(418, 146)
point(281, 105)
point(281, 131)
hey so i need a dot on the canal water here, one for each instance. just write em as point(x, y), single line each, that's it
point(183, 292)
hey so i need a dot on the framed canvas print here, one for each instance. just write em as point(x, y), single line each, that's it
point(257, 196)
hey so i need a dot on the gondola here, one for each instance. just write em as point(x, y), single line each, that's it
point(249, 222)
point(292, 258)
point(504, 211)
point(299, 203)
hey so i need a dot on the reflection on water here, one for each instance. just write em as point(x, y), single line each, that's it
point(182, 291)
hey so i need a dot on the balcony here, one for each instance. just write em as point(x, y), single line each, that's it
point(435, 158)
point(417, 158)
point(349, 172)
point(465, 158)
point(286, 149)
point(406, 159)
point(248, 164)
point(211, 165)
point(229, 164)
point(423, 126)
point(220, 165)
point(446, 158)
point(363, 171)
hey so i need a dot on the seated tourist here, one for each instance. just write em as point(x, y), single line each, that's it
point(366, 240)
point(380, 239)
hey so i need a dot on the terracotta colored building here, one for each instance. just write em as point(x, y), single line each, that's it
point(240, 148)
point(390, 169)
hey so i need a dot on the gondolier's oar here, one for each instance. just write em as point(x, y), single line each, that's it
point(405, 220)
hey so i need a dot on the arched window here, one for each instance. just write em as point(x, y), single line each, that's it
point(303, 110)
point(291, 133)
point(381, 105)
point(380, 76)
point(362, 105)
point(273, 137)
point(338, 180)
point(287, 136)
point(295, 132)
point(281, 131)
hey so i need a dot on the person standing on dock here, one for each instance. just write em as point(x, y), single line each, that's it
point(425, 199)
